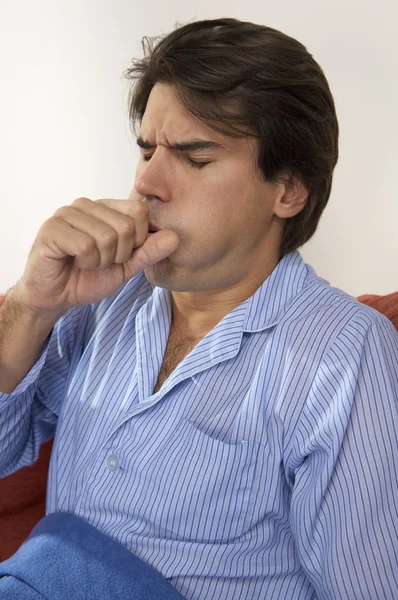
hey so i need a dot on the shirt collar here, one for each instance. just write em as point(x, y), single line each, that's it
point(270, 301)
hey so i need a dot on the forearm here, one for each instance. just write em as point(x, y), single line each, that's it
point(22, 336)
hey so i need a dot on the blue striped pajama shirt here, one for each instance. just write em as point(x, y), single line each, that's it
point(266, 465)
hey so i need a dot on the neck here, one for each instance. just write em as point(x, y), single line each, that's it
point(197, 312)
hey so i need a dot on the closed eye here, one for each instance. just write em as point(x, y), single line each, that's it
point(195, 164)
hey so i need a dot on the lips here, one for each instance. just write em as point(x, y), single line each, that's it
point(153, 228)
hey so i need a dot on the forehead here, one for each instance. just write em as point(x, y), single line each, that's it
point(166, 121)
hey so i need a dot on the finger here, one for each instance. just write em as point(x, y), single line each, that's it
point(59, 240)
point(122, 224)
point(104, 236)
point(136, 211)
point(129, 219)
point(158, 246)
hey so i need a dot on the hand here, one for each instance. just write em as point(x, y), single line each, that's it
point(87, 250)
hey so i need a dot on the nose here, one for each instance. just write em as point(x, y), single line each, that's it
point(151, 178)
point(141, 187)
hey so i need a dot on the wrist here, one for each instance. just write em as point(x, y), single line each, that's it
point(25, 311)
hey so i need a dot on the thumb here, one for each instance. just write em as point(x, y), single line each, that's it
point(157, 246)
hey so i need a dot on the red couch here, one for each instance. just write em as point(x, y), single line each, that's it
point(22, 494)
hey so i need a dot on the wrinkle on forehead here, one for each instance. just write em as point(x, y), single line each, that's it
point(166, 121)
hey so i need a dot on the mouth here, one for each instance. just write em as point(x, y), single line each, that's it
point(153, 229)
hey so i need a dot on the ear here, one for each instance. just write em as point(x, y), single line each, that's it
point(292, 197)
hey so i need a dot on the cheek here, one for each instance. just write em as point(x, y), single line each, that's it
point(219, 208)
point(211, 232)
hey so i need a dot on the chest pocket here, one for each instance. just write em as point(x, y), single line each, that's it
point(200, 487)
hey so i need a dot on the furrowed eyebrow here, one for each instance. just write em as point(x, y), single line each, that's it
point(188, 146)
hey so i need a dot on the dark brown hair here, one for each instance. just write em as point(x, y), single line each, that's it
point(243, 79)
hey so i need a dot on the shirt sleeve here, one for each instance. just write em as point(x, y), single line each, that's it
point(344, 503)
point(28, 415)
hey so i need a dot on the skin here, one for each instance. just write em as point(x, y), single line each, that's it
point(229, 221)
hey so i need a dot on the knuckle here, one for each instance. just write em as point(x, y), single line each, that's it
point(85, 246)
point(145, 256)
point(107, 238)
point(127, 228)
point(47, 223)
point(81, 202)
point(47, 226)
point(60, 212)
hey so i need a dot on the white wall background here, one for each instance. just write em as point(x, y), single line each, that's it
point(64, 131)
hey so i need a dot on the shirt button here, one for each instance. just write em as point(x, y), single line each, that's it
point(112, 462)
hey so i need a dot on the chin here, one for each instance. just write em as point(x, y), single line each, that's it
point(170, 276)
point(162, 274)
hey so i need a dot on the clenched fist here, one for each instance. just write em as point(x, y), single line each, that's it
point(87, 250)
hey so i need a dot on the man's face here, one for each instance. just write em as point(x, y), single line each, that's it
point(212, 198)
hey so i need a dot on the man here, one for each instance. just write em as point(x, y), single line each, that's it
point(218, 409)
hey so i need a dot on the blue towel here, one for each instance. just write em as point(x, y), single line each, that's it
point(66, 558)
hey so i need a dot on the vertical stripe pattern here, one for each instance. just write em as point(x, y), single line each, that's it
point(265, 467)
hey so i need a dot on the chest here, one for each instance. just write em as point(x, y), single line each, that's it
point(178, 347)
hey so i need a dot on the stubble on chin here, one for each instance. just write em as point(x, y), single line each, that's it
point(160, 274)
